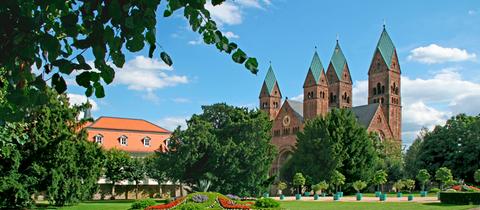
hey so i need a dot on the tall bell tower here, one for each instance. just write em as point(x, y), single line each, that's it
point(339, 80)
point(270, 95)
point(315, 90)
point(384, 77)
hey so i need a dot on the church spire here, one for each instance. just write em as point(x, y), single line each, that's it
point(338, 60)
point(386, 47)
point(316, 67)
point(270, 79)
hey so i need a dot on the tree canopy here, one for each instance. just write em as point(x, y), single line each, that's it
point(229, 144)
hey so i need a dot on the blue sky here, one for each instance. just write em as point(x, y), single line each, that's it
point(438, 44)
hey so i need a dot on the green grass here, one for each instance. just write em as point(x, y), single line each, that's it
point(291, 205)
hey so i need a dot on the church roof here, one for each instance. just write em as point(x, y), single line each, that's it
point(386, 47)
point(365, 113)
point(297, 107)
point(338, 60)
point(316, 67)
point(270, 80)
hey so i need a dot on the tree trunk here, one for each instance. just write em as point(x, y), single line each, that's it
point(113, 192)
point(160, 189)
point(181, 189)
point(136, 190)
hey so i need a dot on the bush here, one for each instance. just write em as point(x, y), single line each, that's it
point(199, 198)
point(190, 206)
point(266, 203)
point(461, 198)
point(434, 190)
point(144, 203)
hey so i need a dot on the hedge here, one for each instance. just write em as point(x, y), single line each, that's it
point(462, 198)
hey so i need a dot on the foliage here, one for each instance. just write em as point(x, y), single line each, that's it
point(476, 176)
point(359, 185)
point(298, 179)
point(409, 184)
point(334, 142)
point(390, 158)
point(444, 176)
point(115, 167)
point(190, 206)
point(47, 152)
point(411, 156)
point(423, 177)
point(454, 145)
point(267, 203)
point(379, 178)
point(229, 144)
point(323, 185)
point(143, 203)
point(199, 198)
point(399, 185)
point(136, 171)
point(54, 36)
point(434, 190)
point(460, 198)
point(202, 186)
point(282, 185)
point(338, 179)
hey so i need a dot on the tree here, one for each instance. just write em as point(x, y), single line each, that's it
point(359, 185)
point(323, 185)
point(299, 181)
point(334, 142)
point(423, 177)
point(454, 145)
point(281, 186)
point(232, 144)
point(135, 172)
point(444, 176)
point(154, 172)
point(338, 179)
point(411, 156)
point(390, 158)
point(399, 185)
point(47, 152)
point(409, 184)
point(115, 167)
point(379, 178)
point(477, 176)
point(54, 36)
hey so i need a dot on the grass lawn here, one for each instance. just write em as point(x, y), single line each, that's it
point(290, 205)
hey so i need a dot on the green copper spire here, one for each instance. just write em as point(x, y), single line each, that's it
point(316, 67)
point(338, 60)
point(270, 79)
point(386, 47)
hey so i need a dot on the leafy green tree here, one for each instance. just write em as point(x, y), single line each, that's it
point(444, 176)
point(423, 177)
point(322, 186)
point(154, 172)
point(390, 158)
point(55, 35)
point(477, 176)
point(230, 143)
point(379, 179)
point(399, 185)
point(281, 186)
point(454, 145)
point(47, 152)
point(299, 181)
point(338, 179)
point(411, 156)
point(333, 142)
point(359, 185)
point(409, 184)
point(115, 168)
point(135, 172)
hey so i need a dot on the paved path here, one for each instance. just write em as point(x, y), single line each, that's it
point(365, 199)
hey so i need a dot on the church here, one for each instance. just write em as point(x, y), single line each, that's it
point(326, 90)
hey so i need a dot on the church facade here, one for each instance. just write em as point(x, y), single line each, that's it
point(325, 89)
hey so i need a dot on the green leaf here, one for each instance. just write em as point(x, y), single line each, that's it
point(166, 58)
point(150, 36)
point(39, 82)
point(107, 73)
point(129, 23)
point(64, 65)
point(167, 13)
point(252, 65)
point(83, 79)
point(59, 83)
point(136, 44)
point(99, 91)
point(114, 10)
point(89, 91)
point(151, 50)
point(38, 62)
point(80, 59)
point(118, 58)
point(217, 2)
point(239, 56)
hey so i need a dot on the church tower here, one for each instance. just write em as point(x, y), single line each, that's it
point(339, 80)
point(270, 96)
point(315, 90)
point(384, 83)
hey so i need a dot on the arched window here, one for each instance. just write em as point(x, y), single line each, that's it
point(331, 97)
point(98, 138)
point(374, 91)
point(378, 88)
point(123, 140)
point(383, 89)
point(146, 141)
point(348, 99)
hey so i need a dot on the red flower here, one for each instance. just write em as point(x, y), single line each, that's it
point(227, 204)
point(168, 205)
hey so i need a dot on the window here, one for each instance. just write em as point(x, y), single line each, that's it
point(146, 141)
point(383, 89)
point(123, 140)
point(378, 88)
point(331, 97)
point(374, 91)
point(381, 100)
point(98, 139)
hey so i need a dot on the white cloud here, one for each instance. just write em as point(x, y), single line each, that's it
point(195, 42)
point(267, 2)
point(359, 92)
point(181, 100)
point(433, 53)
point(225, 13)
point(298, 98)
point(472, 12)
point(249, 3)
point(231, 35)
point(76, 99)
point(171, 123)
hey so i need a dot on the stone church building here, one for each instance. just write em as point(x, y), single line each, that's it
point(325, 90)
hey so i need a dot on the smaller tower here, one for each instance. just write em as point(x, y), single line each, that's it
point(87, 112)
point(339, 80)
point(270, 95)
point(315, 90)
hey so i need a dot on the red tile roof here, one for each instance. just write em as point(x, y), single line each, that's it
point(117, 123)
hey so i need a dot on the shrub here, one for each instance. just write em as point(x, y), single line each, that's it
point(434, 190)
point(267, 203)
point(199, 198)
point(144, 203)
point(359, 185)
point(461, 198)
point(190, 206)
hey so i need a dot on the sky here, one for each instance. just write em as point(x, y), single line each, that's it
point(437, 42)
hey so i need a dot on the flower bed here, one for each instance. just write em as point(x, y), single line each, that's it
point(168, 205)
point(227, 204)
point(464, 188)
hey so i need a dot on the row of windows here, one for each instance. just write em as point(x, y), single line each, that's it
point(265, 105)
point(378, 100)
point(345, 97)
point(380, 89)
point(311, 95)
point(286, 131)
point(395, 100)
point(123, 140)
